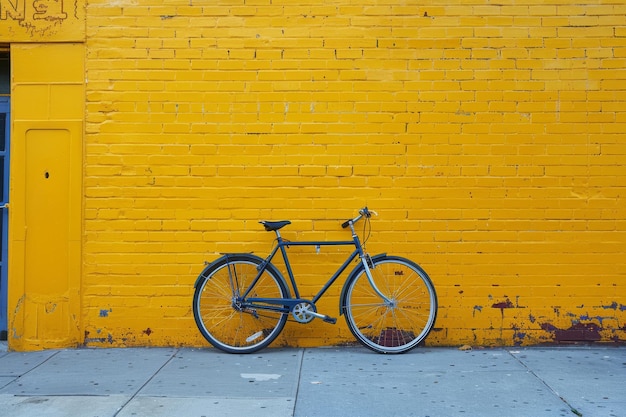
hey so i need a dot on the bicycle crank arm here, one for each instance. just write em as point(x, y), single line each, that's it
point(324, 317)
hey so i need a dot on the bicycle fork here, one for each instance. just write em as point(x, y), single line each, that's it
point(366, 260)
point(368, 265)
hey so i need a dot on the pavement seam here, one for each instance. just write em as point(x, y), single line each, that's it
point(298, 382)
point(146, 383)
point(35, 367)
point(552, 390)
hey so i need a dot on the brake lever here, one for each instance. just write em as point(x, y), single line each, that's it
point(367, 212)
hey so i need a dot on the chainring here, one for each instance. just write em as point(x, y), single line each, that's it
point(300, 312)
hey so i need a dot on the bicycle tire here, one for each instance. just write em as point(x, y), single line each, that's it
point(222, 322)
point(395, 328)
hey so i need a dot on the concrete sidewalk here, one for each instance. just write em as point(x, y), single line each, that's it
point(338, 381)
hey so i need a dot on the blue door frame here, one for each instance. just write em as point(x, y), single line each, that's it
point(5, 123)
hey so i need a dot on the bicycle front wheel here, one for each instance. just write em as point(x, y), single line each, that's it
point(222, 319)
point(401, 323)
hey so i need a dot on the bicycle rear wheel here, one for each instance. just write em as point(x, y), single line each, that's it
point(400, 325)
point(219, 314)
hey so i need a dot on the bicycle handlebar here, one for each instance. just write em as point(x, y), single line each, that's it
point(364, 212)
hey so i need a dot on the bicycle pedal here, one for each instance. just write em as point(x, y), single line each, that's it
point(330, 320)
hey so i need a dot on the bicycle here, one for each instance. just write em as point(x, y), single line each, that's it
point(241, 301)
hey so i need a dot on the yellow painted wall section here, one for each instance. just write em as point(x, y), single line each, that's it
point(491, 139)
point(46, 196)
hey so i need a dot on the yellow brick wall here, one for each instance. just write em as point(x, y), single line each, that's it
point(490, 138)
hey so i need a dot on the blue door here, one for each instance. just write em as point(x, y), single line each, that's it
point(5, 123)
point(4, 211)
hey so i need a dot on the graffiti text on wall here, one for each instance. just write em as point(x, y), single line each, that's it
point(40, 20)
point(43, 9)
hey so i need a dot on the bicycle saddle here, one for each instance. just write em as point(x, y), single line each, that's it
point(271, 226)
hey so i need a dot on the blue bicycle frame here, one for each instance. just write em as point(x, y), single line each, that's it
point(285, 305)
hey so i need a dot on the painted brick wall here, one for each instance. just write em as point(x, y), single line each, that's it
point(490, 138)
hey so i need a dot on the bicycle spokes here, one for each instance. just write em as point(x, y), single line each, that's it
point(403, 319)
point(224, 318)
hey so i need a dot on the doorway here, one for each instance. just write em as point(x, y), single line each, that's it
point(47, 126)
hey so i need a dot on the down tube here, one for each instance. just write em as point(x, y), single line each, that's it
point(335, 275)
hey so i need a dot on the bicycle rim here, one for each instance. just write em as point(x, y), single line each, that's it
point(229, 327)
point(398, 326)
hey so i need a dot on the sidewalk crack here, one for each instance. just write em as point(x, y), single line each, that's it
point(18, 377)
point(552, 390)
point(172, 356)
point(298, 382)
